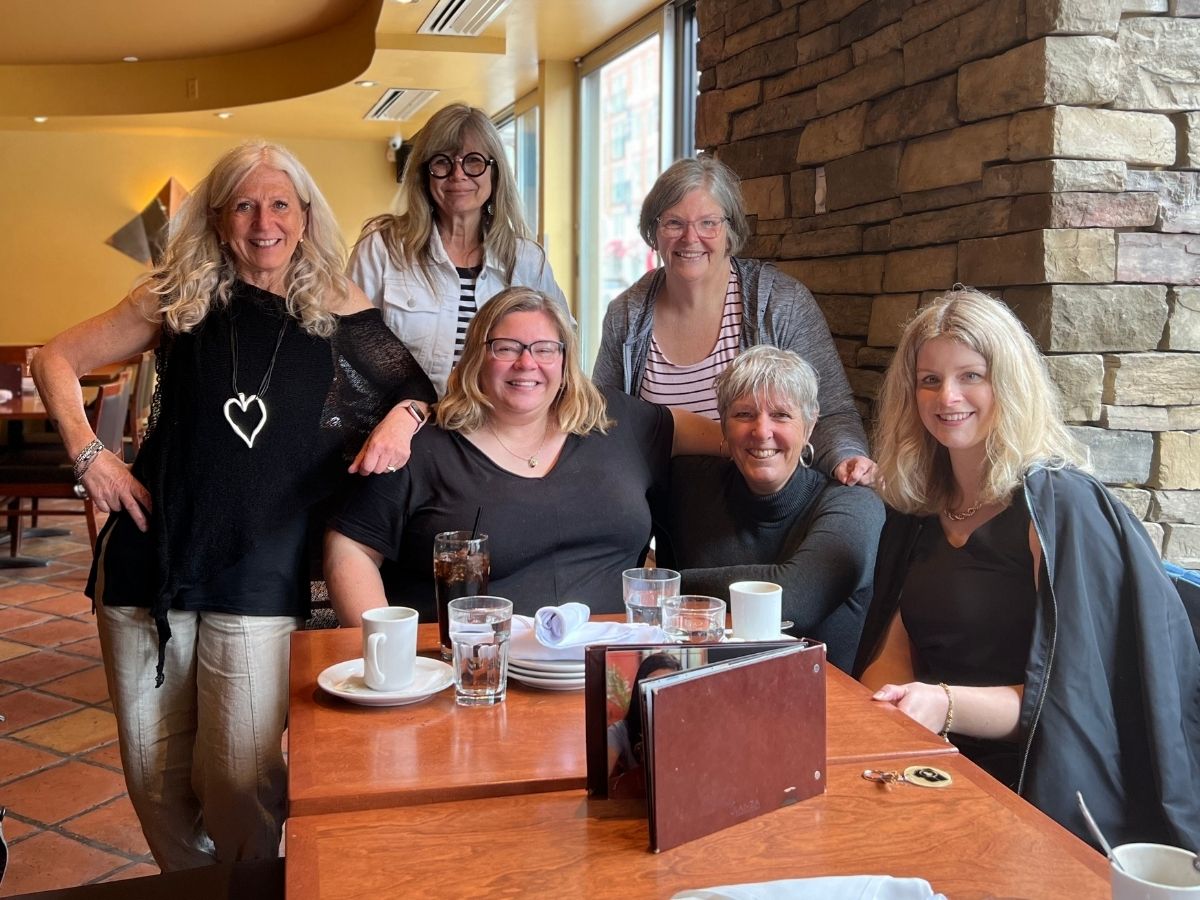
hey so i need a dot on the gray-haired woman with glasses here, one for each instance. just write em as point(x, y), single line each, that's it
point(459, 238)
point(562, 471)
point(667, 337)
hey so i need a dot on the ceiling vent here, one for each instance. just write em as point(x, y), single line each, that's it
point(398, 104)
point(462, 18)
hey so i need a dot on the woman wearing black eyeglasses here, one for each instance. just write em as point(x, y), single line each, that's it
point(458, 240)
point(672, 333)
point(561, 470)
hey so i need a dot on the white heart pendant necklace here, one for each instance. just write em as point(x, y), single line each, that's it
point(255, 400)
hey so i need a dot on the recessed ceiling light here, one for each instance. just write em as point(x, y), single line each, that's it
point(406, 1)
point(129, 59)
point(224, 115)
point(366, 83)
point(41, 119)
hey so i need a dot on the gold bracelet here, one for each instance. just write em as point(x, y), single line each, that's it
point(944, 734)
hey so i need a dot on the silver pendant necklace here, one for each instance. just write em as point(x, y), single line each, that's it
point(239, 399)
point(531, 460)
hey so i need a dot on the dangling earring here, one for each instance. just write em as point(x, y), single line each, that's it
point(812, 455)
point(490, 209)
point(723, 449)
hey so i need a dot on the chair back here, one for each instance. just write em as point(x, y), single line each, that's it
point(112, 406)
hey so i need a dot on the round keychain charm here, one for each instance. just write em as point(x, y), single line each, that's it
point(927, 776)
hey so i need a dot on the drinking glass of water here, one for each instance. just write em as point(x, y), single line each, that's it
point(644, 591)
point(479, 631)
point(693, 619)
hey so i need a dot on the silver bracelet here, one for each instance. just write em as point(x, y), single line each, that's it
point(86, 457)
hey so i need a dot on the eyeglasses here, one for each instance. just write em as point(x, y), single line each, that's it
point(705, 228)
point(508, 350)
point(473, 164)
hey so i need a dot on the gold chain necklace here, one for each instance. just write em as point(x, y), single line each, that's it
point(531, 460)
point(965, 514)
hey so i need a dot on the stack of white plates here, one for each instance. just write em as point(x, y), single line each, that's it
point(547, 674)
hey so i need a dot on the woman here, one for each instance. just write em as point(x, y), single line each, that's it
point(667, 337)
point(272, 367)
point(626, 761)
point(459, 240)
point(560, 473)
point(1019, 608)
point(765, 515)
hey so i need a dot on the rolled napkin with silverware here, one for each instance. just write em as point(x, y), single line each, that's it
point(561, 632)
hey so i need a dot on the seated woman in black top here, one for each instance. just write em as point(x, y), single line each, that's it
point(561, 471)
point(1019, 608)
point(767, 516)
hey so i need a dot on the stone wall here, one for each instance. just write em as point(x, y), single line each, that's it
point(1047, 151)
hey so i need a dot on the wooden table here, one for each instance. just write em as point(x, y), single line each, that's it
point(973, 839)
point(25, 408)
point(343, 757)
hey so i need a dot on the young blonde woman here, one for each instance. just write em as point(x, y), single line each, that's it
point(1020, 610)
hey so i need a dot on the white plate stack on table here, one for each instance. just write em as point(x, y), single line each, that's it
point(547, 650)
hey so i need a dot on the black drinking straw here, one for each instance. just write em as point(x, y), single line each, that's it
point(475, 529)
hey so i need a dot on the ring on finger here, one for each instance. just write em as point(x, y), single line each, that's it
point(392, 469)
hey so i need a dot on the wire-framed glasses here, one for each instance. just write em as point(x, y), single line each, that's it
point(508, 350)
point(708, 227)
point(441, 165)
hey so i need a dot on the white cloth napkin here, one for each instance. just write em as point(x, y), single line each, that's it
point(561, 632)
point(5, 395)
point(837, 887)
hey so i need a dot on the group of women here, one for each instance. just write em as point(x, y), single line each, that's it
point(443, 366)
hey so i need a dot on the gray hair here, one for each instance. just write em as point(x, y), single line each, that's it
point(766, 371)
point(680, 179)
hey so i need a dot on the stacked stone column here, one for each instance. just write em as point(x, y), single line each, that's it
point(1047, 151)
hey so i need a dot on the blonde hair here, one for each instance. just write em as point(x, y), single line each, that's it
point(408, 234)
point(579, 407)
point(196, 272)
point(914, 469)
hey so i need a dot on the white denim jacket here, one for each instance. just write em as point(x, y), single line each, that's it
point(421, 306)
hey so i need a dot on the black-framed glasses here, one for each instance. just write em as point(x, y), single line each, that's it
point(708, 227)
point(441, 165)
point(508, 350)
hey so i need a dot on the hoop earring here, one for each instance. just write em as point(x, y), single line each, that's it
point(812, 455)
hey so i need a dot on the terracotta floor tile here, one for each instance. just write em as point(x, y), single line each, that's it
point(89, 647)
point(136, 870)
point(114, 824)
point(73, 733)
point(79, 557)
point(18, 760)
point(29, 707)
point(72, 581)
point(48, 860)
point(12, 617)
point(42, 665)
point(16, 594)
point(89, 686)
point(53, 633)
point(15, 829)
point(11, 649)
point(41, 573)
point(62, 792)
point(108, 755)
point(72, 604)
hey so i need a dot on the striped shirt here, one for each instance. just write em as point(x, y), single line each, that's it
point(691, 387)
point(466, 306)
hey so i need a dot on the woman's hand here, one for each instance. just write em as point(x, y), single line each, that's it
point(111, 486)
point(388, 447)
point(855, 470)
point(924, 703)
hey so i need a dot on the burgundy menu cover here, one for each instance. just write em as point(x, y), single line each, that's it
point(728, 742)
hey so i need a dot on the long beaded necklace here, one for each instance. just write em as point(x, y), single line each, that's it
point(532, 460)
point(239, 399)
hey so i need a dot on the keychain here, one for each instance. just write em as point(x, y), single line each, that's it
point(919, 776)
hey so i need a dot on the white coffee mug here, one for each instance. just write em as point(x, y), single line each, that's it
point(1154, 872)
point(757, 608)
point(389, 647)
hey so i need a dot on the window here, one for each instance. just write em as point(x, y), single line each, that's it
point(519, 132)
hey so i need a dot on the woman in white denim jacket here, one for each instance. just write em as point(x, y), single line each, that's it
point(459, 210)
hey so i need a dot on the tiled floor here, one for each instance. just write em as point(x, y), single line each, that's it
point(69, 820)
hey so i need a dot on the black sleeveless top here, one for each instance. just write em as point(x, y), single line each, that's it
point(969, 613)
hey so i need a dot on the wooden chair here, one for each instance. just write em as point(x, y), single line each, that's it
point(139, 401)
point(48, 472)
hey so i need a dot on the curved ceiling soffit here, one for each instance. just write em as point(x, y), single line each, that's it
point(280, 72)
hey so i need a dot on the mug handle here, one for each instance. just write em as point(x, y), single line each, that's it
point(371, 669)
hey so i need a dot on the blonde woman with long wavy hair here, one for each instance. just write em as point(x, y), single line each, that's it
point(273, 368)
point(561, 470)
point(1020, 609)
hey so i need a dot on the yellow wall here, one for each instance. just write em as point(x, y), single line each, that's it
point(62, 194)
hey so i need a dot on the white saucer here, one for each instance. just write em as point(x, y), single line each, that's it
point(731, 639)
point(548, 684)
point(345, 680)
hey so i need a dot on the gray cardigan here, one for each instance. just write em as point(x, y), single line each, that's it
point(777, 310)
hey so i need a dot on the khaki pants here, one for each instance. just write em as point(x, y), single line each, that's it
point(202, 754)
